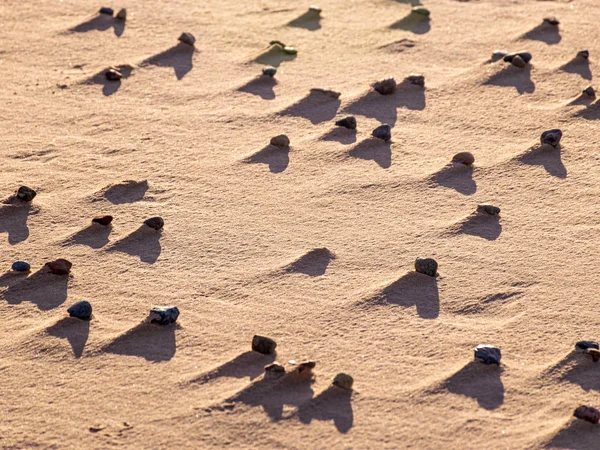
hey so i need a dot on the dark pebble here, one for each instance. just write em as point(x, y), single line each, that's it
point(344, 381)
point(383, 132)
point(155, 222)
point(590, 92)
point(551, 137)
point(426, 266)
point(416, 79)
point(113, 75)
point(488, 354)
point(519, 62)
point(26, 194)
point(525, 56)
point(584, 345)
point(385, 87)
point(103, 220)
point(263, 345)
point(488, 209)
point(107, 11)
point(273, 371)
point(269, 71)
point(347, 122)
point(21, 266)
point(587, 413)
point(420, 11)
point(551, 21)
point(583, 54)
point(187, 38)
point(163, 315)
point(81, 310)
point(281, 141)
point(306, 367)
point(59, 267)
point(465, 158)
point(122, 14)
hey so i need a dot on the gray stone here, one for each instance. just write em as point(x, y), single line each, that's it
point(26, 194)
point(344, 381)
point(21, 266)
point(551, 137)
point(187, 38)
point(385, 87)
point(155, 222)
point(486, 208)
point(347, 122)
point(163, 315)
point(263, 345)
point(488, 354)
point(281, 141)
point(383, 132)
point(81, 310)
point(426, 266)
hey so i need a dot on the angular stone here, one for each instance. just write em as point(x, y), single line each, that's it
point(488, 354)
point(416, 79)
point(155, 222)
point(517, 61)
point(486, 208)
point(106, 10)
point(269, 71)
point(113, 75)
point(347, 122)
point(281, 141)
point(26, 194)
point(465, 158)
point(103, 220)
point(344, 381)
point(163, 315)
point(383, 132)
point(59, 267)
point(426, 266)
point(551, 137)
point(525, 56)
point(587, 413)
point(263, 345)
point(21, 266)
point(122, 14)
point(187, 38)
point(306, 367)
point(583, 54)
point(81, 310)
point(386, 86)
point(551, 21)
point(584, 345)
point(274, 371)
point(590, 92)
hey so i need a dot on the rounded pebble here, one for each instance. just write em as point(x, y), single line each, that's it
point(264, 345)
point(488, 354)
point(315, 9)
point(274, 371)
point(519, 62)
point(551, 137)
point(583, 54)
point(280, 141)
point(426, 266)
point(551, 21)
point(187, 38)
point(155, 222)
point(21, 266)
point(385, 87)
point(465, 158)
point(590, 92)
point(383, 132)
point(113, 75)
point(344, 381)
point(163, 315)
point(416, 79)
point(584, 345)
point(525, 56)
point(81, 310)
point(26, 194)
point(269, 71)
point(347, 122)
point(122, 14)
point(106, 10)
point(103, 220)
point(421, 11)
point(59, 267)
point(290, 50)
point(488, 209)
point(587, 413)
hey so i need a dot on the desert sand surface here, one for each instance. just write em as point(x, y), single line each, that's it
point(312, 245)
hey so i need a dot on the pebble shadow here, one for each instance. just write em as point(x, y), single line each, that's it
point(179, 57)
point(261, 86)
point(249, 364)
point(101, 22)
point(544, 32)
point(276, 158)
point(414, 23)
point(459, 178)
point(76, 331)
point(94, 236)
point(548, 157)
point(143, 243)
point(576, 435)
point(333, 404)
point(511, 76)
point(313, 264)
point(479, 381)
point(126, 192)
point(482, 225)
point(155, 343)
point(340, 134)
point(316, 106)
point(578, 66)
point(44, 289)
point(374, 149)
point(13, 221)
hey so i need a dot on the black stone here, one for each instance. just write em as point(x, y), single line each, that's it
point(263, 345)
point(426, 266)
point(525, 56)
point(583, 54)
point(107, 11)
point(584, 345)
point(347, 122)
point(551, 137)
point(26, 194)
point(81, 310)
point(488, 354)
point(155, 222)
point(383, 132)
point(163, 315)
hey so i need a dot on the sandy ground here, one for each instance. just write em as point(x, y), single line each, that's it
point(314, 246)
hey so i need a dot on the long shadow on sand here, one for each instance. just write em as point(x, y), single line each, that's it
point(412, 289)
point(511, 76)
point(94, 236)
point(273, 56)
point(276, 158)
point(153, 342)
point(310, 21)
point(479, 381)
point(458, 177)
point(13, 221)
point(340, 134)
point(101, 22)
point(482, 225)
point(248, 364)
point(109, 87)
point(126, 192)
point(414, 23)
point(575, 435)
point(592, 112)
point(143, 243)
point(76, 331)
point(374, 149)
point(548, 157)
point(550, 34)
point(333, 404)
point(318, 106)
point(179, 57)
point(44, 289)
point(261, 86)
point(314, 263)
point(579, 66)
point(583, 372)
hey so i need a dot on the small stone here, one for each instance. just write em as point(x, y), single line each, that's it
point(551, 21)
point(122, 14)
point(587, 413)
point(274, 371)
point(383, 132)
point(385, 87)
point(163, 315)
point(420, 11)
point(347, 122)
point(306, 367)
point(517, 61)
point(590, 92)
point(426, 266)
point(594, 353)
point(113, 75)
point(81, 310)
point(486, 208)
point(488, 354)
point(465, 158)
point(59, 267)
point(585, 345)
point(290, 50)
point(21, 266)
point(344, 381)
point(103, 220)
point(187, 38)
point(583, 54)
point(26, 194)
point(525, 56)
point(155, 222)
point(497, 55)
point(269, 71)
point(278, 43)
point(106, 10)
point(263, 345)
point(551, 137)
point(281, 141)
point(315, 9)
point(416, 79)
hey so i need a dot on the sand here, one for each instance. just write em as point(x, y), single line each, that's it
point(313, 246)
